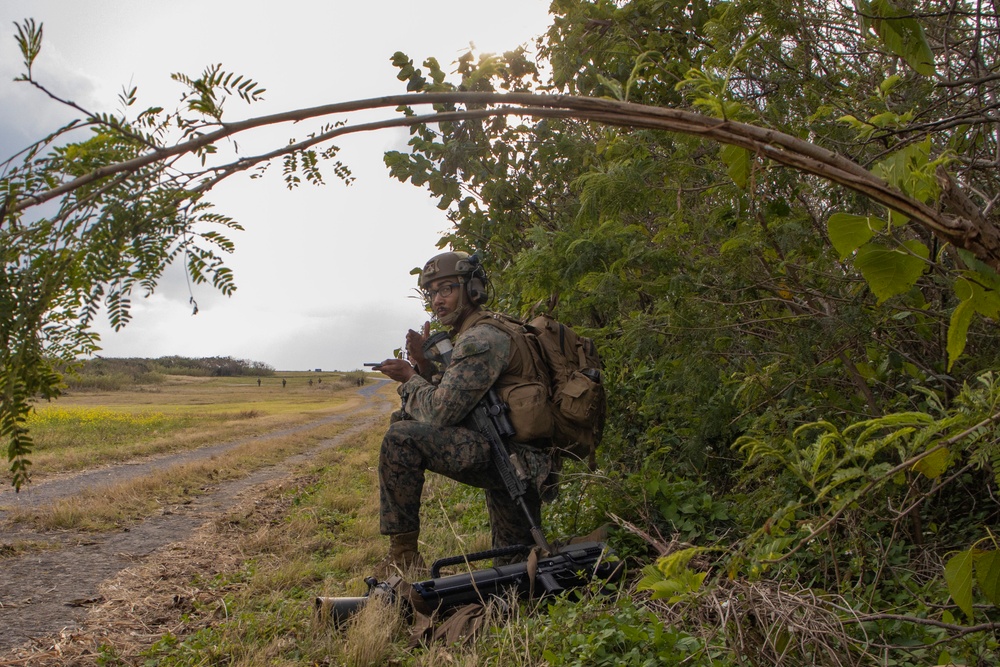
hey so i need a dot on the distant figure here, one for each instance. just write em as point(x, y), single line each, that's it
point(283, 381)
point(310, 382)
point(320, 380)
point(258, 382)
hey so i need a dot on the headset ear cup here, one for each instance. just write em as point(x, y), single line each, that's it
point(476, 291)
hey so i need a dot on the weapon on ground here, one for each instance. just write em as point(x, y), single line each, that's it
point(573, 567)
point(339, 610)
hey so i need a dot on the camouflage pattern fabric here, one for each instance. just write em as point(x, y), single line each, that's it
point(480, 356)
point(435, 435)
point(411, 447)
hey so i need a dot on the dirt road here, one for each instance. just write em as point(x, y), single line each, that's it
point(46, 593)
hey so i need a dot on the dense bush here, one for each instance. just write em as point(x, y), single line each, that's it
point(800, 380)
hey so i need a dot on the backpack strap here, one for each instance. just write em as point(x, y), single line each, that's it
point(519, 335)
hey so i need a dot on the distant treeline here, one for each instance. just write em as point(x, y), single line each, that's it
point(213, 366)
point(103, 373)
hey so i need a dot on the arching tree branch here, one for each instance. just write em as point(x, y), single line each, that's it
point(956, 221)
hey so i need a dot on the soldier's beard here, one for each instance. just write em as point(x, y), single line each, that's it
point(454, 316)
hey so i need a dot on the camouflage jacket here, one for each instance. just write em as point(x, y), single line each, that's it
point(445, 397)
point(481, 354)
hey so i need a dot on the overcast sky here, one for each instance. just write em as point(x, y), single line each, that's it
point(323, 274)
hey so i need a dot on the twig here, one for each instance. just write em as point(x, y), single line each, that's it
point(937, 487)
point(960, 630)
point(660, 545)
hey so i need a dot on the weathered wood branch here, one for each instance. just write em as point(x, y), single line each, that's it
point(957, 221)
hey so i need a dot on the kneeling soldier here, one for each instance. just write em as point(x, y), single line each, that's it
point(433, 429)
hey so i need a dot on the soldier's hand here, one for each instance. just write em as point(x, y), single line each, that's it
point(415, 344)
point(399, 370)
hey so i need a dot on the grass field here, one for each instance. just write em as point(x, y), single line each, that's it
point(86, 429)
point(248, 580)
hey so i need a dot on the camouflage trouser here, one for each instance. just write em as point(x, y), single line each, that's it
point(410, 447)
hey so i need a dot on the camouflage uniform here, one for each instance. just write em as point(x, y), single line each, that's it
point(436, 433)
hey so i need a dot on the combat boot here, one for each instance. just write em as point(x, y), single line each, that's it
point(403, 557)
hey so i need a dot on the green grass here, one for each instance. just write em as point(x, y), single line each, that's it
point(83, 430)
point(69, 438)
point(114, 506)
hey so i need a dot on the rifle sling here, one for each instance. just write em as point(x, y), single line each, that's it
point(532, 569)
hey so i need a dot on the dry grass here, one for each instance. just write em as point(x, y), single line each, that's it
point(372, 634)
point(16, 548)
point(165, 594)
point(118, 504)
point(765, 623)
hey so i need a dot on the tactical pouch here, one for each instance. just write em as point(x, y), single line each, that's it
point(580, 398)
point(529, 410)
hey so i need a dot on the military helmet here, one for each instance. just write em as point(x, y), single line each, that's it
point(455, 263)
point(459, 264)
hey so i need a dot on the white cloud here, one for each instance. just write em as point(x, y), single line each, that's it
point(323, 273)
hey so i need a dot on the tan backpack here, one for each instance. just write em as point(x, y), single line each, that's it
point(569, 368)
point(577, 391)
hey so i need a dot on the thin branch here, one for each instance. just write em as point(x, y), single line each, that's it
point(937, 487)
point(92, 117)
point(956, 630)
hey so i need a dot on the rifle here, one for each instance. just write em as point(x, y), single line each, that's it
point(573, 567)
point(491, 419)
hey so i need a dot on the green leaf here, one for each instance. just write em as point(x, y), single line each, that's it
point(976, 265)
point(985, 297)
point(889, 83)
point(958, 330)
point(933, 465)
point(736, 244)
point(822, 112)
point(975, 298)
point(891, 271)
point(676, 562)
point(29, 40)
point(850, 232)
point(738, 164)
point(853, 122)
point(903, 36)
point(911, 170)
point(614, 87)
point(671, 587)
point(958, 577)
point(988, 575)
point(885, 119)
